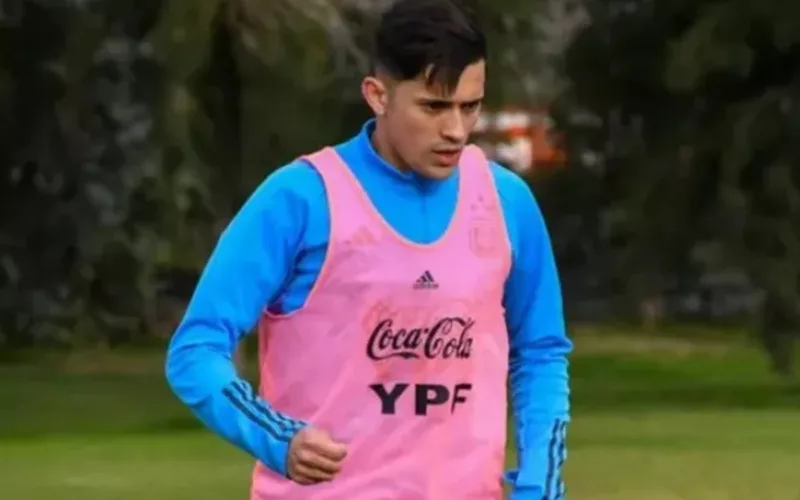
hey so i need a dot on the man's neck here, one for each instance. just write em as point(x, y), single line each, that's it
point(382, 146)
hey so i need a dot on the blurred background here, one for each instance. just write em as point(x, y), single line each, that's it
point(661, 138)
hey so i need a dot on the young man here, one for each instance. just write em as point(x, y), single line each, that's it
point(397, 280)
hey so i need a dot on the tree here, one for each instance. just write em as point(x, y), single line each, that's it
point(698, 137)
point(78, 256)
point(750, 53)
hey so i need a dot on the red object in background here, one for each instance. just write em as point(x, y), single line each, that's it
point(523, 140)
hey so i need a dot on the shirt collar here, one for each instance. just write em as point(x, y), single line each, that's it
point(371, 158)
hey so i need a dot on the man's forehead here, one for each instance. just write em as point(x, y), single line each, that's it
point(466, 86)
point(448, 98)
point(436, 91)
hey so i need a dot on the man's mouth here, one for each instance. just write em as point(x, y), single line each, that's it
point(448, 157)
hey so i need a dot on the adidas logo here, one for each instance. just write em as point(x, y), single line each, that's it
point(426, 282)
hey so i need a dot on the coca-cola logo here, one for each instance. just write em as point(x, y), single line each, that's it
point(447, 338)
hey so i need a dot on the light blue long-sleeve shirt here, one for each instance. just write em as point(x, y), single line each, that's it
point(270, 256)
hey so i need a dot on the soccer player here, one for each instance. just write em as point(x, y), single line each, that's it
point(398, 281)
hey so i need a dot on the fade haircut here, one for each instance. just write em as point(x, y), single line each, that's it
point(434, 38)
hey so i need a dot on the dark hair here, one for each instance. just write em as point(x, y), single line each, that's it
point(436, 37)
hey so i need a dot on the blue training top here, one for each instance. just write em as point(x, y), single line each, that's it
point(270, 256)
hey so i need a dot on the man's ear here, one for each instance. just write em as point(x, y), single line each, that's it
point(376, 94)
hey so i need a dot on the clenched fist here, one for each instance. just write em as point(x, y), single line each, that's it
point(314, 457)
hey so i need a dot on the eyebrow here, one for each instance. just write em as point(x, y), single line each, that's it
point(448, 102)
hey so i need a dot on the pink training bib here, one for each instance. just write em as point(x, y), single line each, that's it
point(401, 350)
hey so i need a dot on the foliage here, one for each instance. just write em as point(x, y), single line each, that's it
point(78, 166)
point(130, 132)
point(699, 139)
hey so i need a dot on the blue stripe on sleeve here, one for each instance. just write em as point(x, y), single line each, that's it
point(561, 489)
point(285, 427)
point(552, 449)
point(264, 421)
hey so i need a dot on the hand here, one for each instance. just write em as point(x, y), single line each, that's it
point(314, 457)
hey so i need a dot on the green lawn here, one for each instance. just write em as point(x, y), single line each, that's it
point(654, 420)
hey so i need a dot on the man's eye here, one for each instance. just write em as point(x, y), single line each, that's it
point(435, 106)
point(472, 106)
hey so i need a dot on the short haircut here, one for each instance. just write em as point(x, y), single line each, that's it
point(435, 38)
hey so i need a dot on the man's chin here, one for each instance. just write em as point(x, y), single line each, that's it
point(437, 172)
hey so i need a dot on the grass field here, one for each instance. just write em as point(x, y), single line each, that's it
point(654, 419)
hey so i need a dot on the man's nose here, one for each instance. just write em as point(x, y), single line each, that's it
point(455, 129)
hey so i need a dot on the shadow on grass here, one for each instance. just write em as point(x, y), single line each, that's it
point(698, 397)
